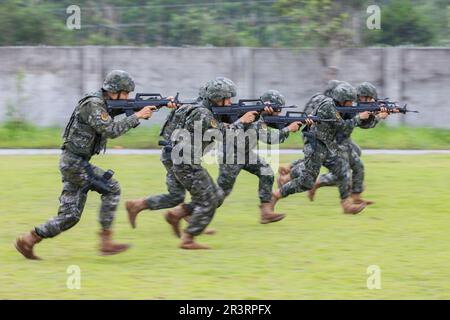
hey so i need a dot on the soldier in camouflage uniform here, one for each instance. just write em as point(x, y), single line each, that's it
point(366, 92)
point(205, 195)
point(309, 108)
point(89, 127)
point(228, 172)
point(176, 190)
point(320, 148)
point(317, 98)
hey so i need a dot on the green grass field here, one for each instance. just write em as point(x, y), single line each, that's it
point(13, 135)
point(315, 253)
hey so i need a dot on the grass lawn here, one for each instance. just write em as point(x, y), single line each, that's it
point(315, 253)
point(382, 137)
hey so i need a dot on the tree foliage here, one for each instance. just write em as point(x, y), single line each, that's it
point(258, 23)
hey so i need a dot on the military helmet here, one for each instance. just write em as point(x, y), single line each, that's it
point(330, 87)
point(118, 80)
point(220, 88)
point(203, 88)
point(202, 92)
point(344, 92)
point(366, 89)
point(273, 96)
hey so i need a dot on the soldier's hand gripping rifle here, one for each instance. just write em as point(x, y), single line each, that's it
point(391, 107)
point(293, 116)
point(236, 110)
point(141, 100)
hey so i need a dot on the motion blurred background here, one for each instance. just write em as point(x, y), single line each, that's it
point(176, 46)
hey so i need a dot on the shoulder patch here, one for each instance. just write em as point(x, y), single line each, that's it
point(104, 116)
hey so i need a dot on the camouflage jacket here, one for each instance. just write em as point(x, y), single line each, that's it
point(326, 131)
point(196, 129)
point(90, 126)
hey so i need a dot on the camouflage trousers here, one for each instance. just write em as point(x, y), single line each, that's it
point(351, 154)
point(73, 199)
point(305, 173)
point(228, 174)
point(176, 190)
point(205, 195)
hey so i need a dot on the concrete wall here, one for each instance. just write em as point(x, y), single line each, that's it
point(54, 78)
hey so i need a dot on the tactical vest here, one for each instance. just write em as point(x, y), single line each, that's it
point(79, 137)
point(325, 132)
point(168, 126)
point(178, 120)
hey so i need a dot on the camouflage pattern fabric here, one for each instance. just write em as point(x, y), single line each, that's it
point(366, 89)
point(351, 153)
point(228, 172)
point(273, 96)
point(220, 88)
point(175, 188)
point(313, 102)
point(321, 149)
point(317, 98)
point(305, 173)
point(72, 199)
point(351, 156)
point(118, 80)
point(90, 126)
point(205, 194)
point(85, 135)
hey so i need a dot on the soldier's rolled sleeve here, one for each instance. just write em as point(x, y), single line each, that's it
point(101, 121)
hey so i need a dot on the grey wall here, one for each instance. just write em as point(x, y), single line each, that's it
point(54, 78)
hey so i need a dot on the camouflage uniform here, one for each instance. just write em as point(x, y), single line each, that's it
point(205, 195)
point(86, 135)
point(175, 188)
point(320, 148)
point(228, 173)
point(350, 150)
point(317, 98)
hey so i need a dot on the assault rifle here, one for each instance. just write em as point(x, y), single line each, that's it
point(376, 106)
point(141, 100)
point(236, 110)
point(293, 116)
